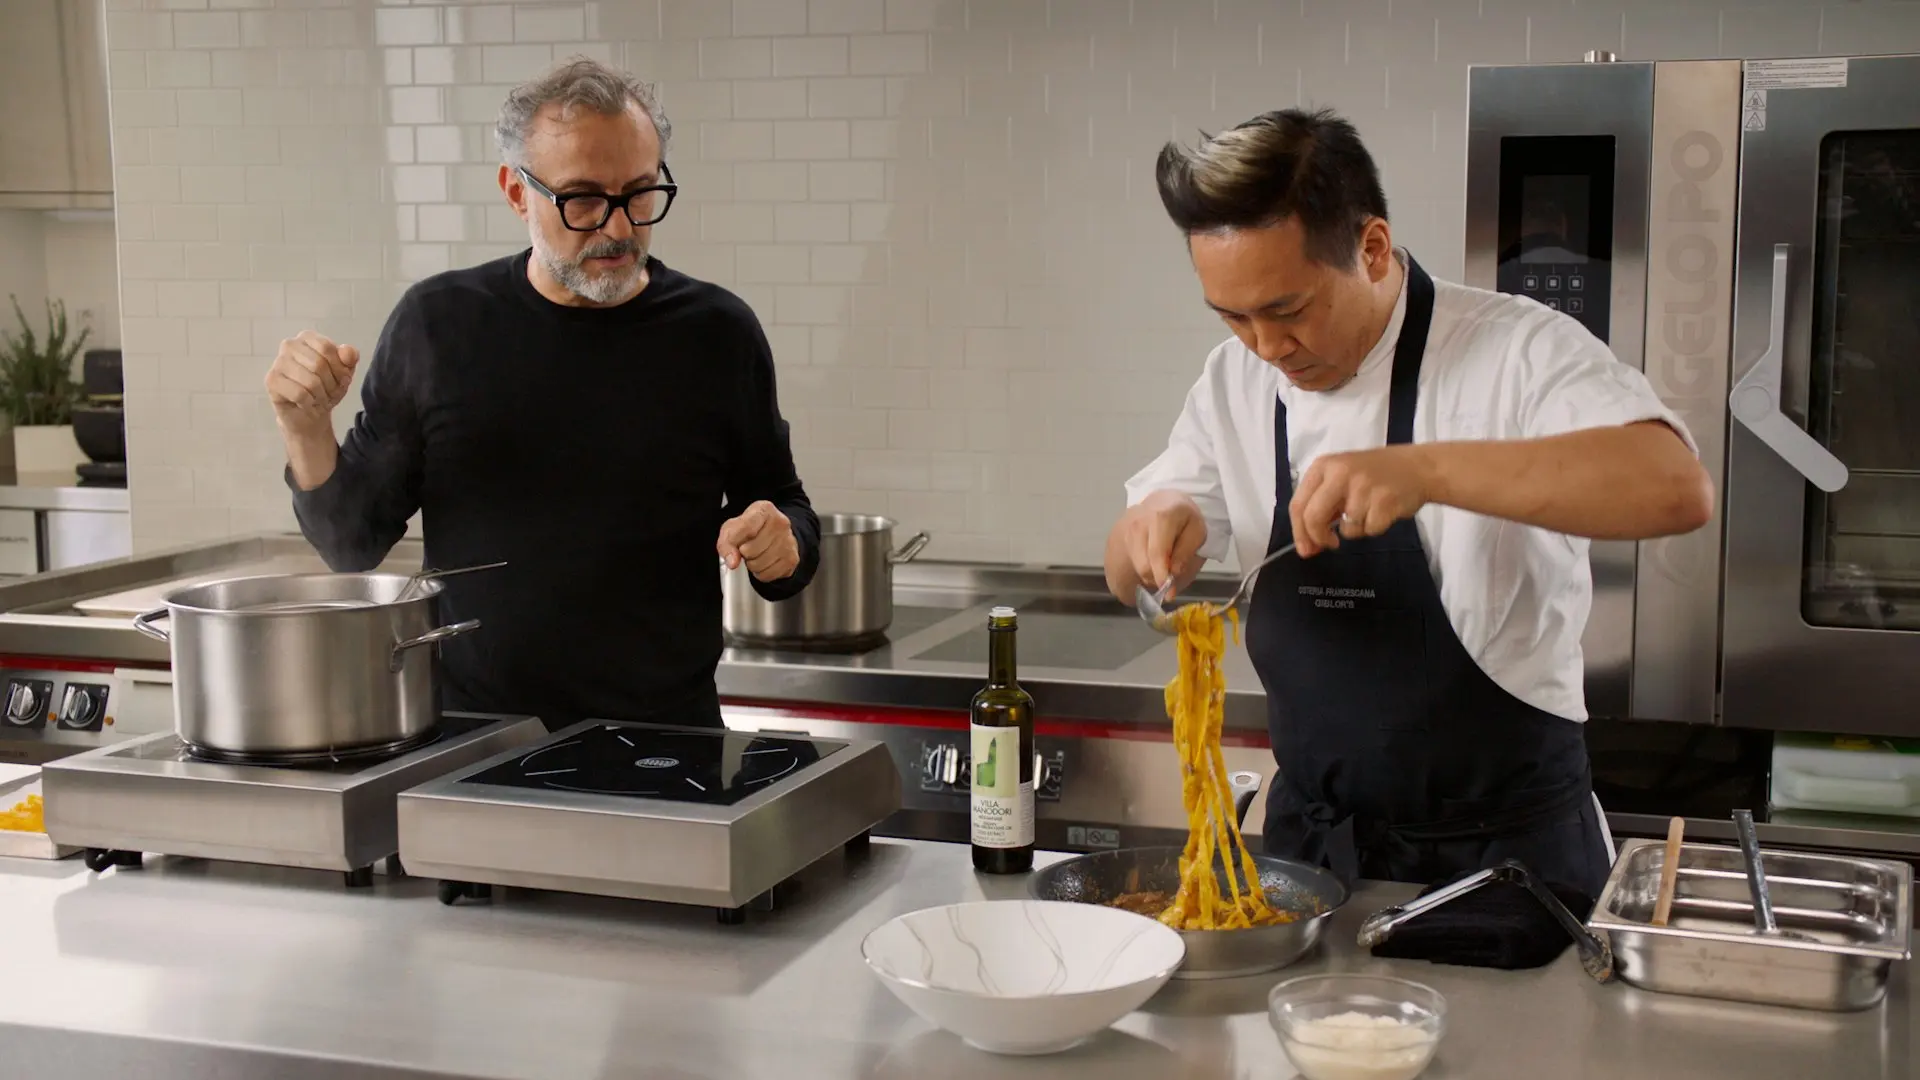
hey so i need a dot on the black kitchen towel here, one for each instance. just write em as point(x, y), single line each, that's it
point(1498, 925)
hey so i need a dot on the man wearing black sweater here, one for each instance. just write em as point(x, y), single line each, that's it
point(603, 424)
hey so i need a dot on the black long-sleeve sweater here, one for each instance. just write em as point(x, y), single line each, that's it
point(597, 452)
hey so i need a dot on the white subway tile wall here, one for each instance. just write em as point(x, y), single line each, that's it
point(943, 210)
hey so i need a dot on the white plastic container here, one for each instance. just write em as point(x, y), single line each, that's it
point(1847, 773)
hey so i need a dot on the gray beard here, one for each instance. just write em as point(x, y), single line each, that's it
point(606, 288)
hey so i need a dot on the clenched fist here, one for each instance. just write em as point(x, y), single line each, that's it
point(1156, 539)
point(761, 537)
point(309, 376)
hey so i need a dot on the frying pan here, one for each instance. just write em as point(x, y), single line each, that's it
point(1211, 954)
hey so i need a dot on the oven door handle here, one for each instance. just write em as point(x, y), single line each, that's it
point(1755, 400)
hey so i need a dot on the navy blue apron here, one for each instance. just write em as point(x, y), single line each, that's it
point(1399, 759)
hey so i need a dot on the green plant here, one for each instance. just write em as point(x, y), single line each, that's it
point(36, 369)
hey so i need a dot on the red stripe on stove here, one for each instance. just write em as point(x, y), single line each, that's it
point(55, 663)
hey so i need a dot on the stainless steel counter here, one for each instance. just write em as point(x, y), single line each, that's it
point(52, 520)
point(57, 491)
point(38, 616)
point(190, 969)
point(1083, 655)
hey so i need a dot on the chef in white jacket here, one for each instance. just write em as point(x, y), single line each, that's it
point(1442, 456)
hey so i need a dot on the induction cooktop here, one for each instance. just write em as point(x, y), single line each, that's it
point(688, 815)
point(629, 761)
point(153, 795)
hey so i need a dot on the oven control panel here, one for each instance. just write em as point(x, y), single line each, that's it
point(946, 766)
point(48, 713)
point(1125, 789)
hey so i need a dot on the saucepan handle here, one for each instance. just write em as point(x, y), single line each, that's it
point(914, 545)
point(429, 638)
point(144, 621)
point(1245, 785)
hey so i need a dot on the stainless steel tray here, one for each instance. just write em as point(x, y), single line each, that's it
point(26, 845)
point(1858, 911)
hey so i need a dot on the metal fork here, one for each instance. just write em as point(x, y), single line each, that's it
point(1151, 607)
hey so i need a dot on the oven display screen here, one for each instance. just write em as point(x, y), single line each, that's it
point(1556, 223)
point(1553, 219)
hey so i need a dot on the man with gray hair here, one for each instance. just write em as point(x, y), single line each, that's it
point(603, 424)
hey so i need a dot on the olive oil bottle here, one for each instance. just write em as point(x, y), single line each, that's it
point(1002, 762)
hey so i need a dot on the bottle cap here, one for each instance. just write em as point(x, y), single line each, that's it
point(1001, 611)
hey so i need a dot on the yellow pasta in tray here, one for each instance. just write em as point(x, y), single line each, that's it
point(28, 815)
point(1196, 703)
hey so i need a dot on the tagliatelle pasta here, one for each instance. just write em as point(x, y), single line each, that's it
point(1196, 703)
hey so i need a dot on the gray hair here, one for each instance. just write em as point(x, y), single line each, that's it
point(578, 84)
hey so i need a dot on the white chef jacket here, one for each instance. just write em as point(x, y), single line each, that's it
point(1496, 367)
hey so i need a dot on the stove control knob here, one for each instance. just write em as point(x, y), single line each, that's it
point(1047, 774)
point(82, 708)
point(930, 760)
point(949, 764)
point(23, 705)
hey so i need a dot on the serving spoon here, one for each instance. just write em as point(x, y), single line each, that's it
point(1151, 605)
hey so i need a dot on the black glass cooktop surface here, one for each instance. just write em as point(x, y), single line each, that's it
point(715, 767)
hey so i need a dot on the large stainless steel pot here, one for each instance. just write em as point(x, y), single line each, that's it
point(286, 666)
point(849, 600)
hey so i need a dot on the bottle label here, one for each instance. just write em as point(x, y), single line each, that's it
point(1002, 805)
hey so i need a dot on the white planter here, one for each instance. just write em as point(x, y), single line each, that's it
point(46, 448)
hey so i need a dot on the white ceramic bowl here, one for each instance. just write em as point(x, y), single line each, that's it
point(1357, 1027)
point(1023, 976)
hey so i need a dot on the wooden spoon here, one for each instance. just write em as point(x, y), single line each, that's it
point(1669, 871)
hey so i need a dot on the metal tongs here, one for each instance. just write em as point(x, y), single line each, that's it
point(1151, 605)
point(414, 582)
point(1596, 952)
point(1757, 882)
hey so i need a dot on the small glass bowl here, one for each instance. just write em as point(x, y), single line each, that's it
point(1320, 1053)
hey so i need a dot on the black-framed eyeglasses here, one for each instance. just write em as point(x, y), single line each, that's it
point(587, 211)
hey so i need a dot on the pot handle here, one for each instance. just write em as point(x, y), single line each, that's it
point(914, 546)
point(429, 638)
point(144, 621)
point(1244, 785)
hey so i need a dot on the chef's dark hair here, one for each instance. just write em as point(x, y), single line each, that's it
point(1288, 163)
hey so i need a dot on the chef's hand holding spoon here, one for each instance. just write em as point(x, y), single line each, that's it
point(762, 538)
point(1356, 494)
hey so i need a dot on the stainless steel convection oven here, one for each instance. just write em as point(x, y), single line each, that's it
point(1748, 234)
